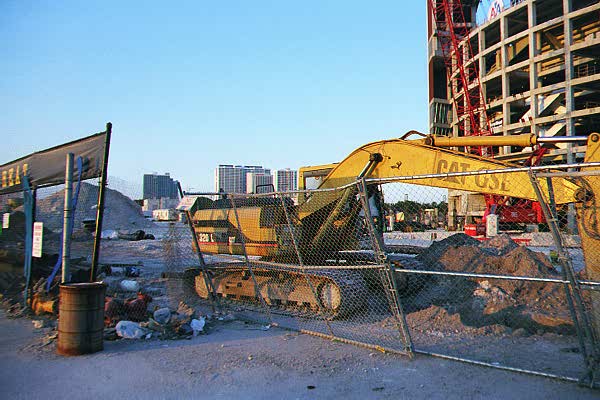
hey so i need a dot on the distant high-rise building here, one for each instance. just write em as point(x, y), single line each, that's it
point(257, 182)
point(232, 178)
point(286, 180)
point(160, 186)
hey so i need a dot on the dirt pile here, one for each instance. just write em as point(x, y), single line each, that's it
point(120, 212)
point(533, 306)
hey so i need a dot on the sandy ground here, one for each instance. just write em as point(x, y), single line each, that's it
point(239, 360)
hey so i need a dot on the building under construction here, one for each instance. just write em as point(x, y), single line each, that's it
point(512, 67)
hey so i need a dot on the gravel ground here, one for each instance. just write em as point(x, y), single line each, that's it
point(238, 360)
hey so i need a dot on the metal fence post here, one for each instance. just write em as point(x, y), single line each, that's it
point(68, 216)
point(243, 240)
point(388, 274)
point(301, 262)
point(100, 209)
point(591, 357)
point(210, 287)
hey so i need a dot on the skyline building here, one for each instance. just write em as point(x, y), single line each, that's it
point(232, 178)
point(257, 182)
point(286, 180)
point(157, 186)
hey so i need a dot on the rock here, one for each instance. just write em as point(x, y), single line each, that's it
point(162, 316)
point(152, 325)
point(131, 235)
point(227, 318)
point(130, 330)
point(520, 332)
point(137, 308)
point(110, 334)
point(197, 325)
point(499, 245)
point(184, 330)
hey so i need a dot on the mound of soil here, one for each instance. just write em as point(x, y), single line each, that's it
point(533, 306)
point(120, 212)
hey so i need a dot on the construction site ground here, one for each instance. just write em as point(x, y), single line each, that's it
point(239, 360)
point(243, 360)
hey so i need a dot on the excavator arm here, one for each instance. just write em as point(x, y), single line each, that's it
point(431, 162)
point(419, 158)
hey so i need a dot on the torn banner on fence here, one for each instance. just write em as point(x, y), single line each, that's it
point(47, 167)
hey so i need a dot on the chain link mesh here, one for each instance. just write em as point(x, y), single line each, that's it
point(398, 265)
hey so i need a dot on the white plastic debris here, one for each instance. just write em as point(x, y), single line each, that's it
point(130, 286)
point(197, 325)
point(162, 316)
point(38, 323)
point(109, 234)
point(265, 327)
point(130, 330)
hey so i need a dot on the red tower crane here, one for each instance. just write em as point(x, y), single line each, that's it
point(452, 32)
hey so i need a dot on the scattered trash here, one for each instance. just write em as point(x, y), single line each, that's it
point(38, 323)
point(109, 234)
point(130, 286)
point(131, 235)
point(184, 330)
point(265, 327)
point(130, 330)
point(162, 316)
point(137, 309)
point(114, 310)
point(227, 318)
point(197, 325)
point(129, 271)
point(51, 337)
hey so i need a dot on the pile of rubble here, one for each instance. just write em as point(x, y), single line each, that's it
point(120, 212)
point(536, 307)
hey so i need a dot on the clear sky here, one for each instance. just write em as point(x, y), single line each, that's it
point(190, 85)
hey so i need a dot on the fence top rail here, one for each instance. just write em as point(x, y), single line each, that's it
point(545, 170)
point(270, 194)
point(493, 276)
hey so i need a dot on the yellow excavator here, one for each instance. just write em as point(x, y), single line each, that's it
point(326, 227)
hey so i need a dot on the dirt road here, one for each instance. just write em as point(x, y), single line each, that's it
point(240, 360)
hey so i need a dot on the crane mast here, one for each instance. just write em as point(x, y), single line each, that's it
point(453, 36)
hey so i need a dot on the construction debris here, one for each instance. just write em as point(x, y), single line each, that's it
point(130, 330)
point(162, 315)
point(197, 325)
point(515, 304)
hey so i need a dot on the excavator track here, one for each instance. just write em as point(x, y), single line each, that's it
point(331, 293)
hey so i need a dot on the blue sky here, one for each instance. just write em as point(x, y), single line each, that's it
point(195, 84)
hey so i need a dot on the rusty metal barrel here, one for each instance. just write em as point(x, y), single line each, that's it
point(80, 318)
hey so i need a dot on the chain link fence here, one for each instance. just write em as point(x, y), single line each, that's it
point(123, 218)
point(394, 264)
point(386, 264)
